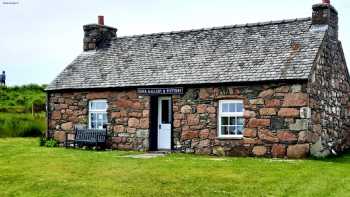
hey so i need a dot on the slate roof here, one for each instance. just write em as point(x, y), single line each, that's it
point(278, 50)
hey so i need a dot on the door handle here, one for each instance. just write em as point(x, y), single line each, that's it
point(160, 126)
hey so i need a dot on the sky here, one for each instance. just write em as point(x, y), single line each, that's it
point(39, 38)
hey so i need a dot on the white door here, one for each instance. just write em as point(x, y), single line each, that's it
point(164, 123)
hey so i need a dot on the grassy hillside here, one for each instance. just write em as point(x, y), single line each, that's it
point(22, 124)
point(16, 119)
point(19, 99)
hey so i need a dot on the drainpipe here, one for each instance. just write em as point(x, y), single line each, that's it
point(47, 114)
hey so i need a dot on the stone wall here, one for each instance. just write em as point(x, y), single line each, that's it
point(128, 115)
point(329, 98)
point(277, 120)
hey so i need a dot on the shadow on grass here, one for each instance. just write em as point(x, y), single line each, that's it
point(340, 158)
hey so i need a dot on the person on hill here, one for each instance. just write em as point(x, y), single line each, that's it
point(3, 79)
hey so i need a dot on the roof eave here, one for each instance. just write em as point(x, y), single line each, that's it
point(239, 83)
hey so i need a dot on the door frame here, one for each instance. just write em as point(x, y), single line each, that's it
point(153, 131)
point(159, 115)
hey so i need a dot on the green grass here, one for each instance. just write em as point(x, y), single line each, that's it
point(19, 99)
point(22, 125)
point(16, 107)
point(29, 170)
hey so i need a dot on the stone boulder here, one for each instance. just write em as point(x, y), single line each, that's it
point(67, 126)
point(259, 151)
point(60, 136)
point(278, 150)
point(218, 151)
point(298, 151)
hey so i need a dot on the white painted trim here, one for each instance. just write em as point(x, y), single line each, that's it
point(96, 110)
point(160, 117)
point(236, 137)
point(227, 114)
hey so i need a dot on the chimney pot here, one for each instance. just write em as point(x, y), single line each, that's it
point(101, 20)
point(325, 14)
point(326, 2)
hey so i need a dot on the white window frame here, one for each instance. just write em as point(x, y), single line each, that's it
point(103, 111)
point(229, 114)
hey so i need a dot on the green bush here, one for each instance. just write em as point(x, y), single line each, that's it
point(47, 142)
point(42, 140)
point(21, 100)
point(51, 143)
point(22, 125)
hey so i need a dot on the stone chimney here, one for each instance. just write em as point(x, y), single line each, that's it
point(325, 14)
point(98, 36)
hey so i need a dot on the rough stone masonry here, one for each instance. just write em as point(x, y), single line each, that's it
point(278, 119)
point(291, 76)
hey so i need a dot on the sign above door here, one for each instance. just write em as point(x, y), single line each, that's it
point(160, 91)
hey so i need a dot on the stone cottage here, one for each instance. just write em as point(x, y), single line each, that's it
point(275, 89)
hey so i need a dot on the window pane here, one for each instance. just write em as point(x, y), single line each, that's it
point(225, 107)
point(101, 105)
point(97, 120)
point(99, 117)
point(99, 125)
point(231, 130)
point(224, 120)
point(239, 107)
point(232, 121)
point(232, 107)
point(240, 121)
point(165, 112)
point(93, 105)
point(239, 130)
point(93, 117)
point(104, 118)
point(224, 130)
point(98, 105)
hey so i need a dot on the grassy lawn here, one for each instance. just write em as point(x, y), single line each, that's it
point(29, 170)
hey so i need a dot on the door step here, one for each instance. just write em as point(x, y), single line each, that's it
point(163, 152)
point(145, 156)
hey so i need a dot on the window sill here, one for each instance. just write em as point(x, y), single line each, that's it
point(230, 138)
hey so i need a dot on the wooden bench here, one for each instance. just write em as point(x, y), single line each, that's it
point(88, 137)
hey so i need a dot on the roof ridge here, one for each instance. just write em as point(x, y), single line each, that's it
point(219, 27)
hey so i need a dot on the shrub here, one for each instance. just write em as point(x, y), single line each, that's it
point(21, 100)
point(51, 143)
point(22, 125)
point(42, 141)
point(38, 105)
point(47, 142)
